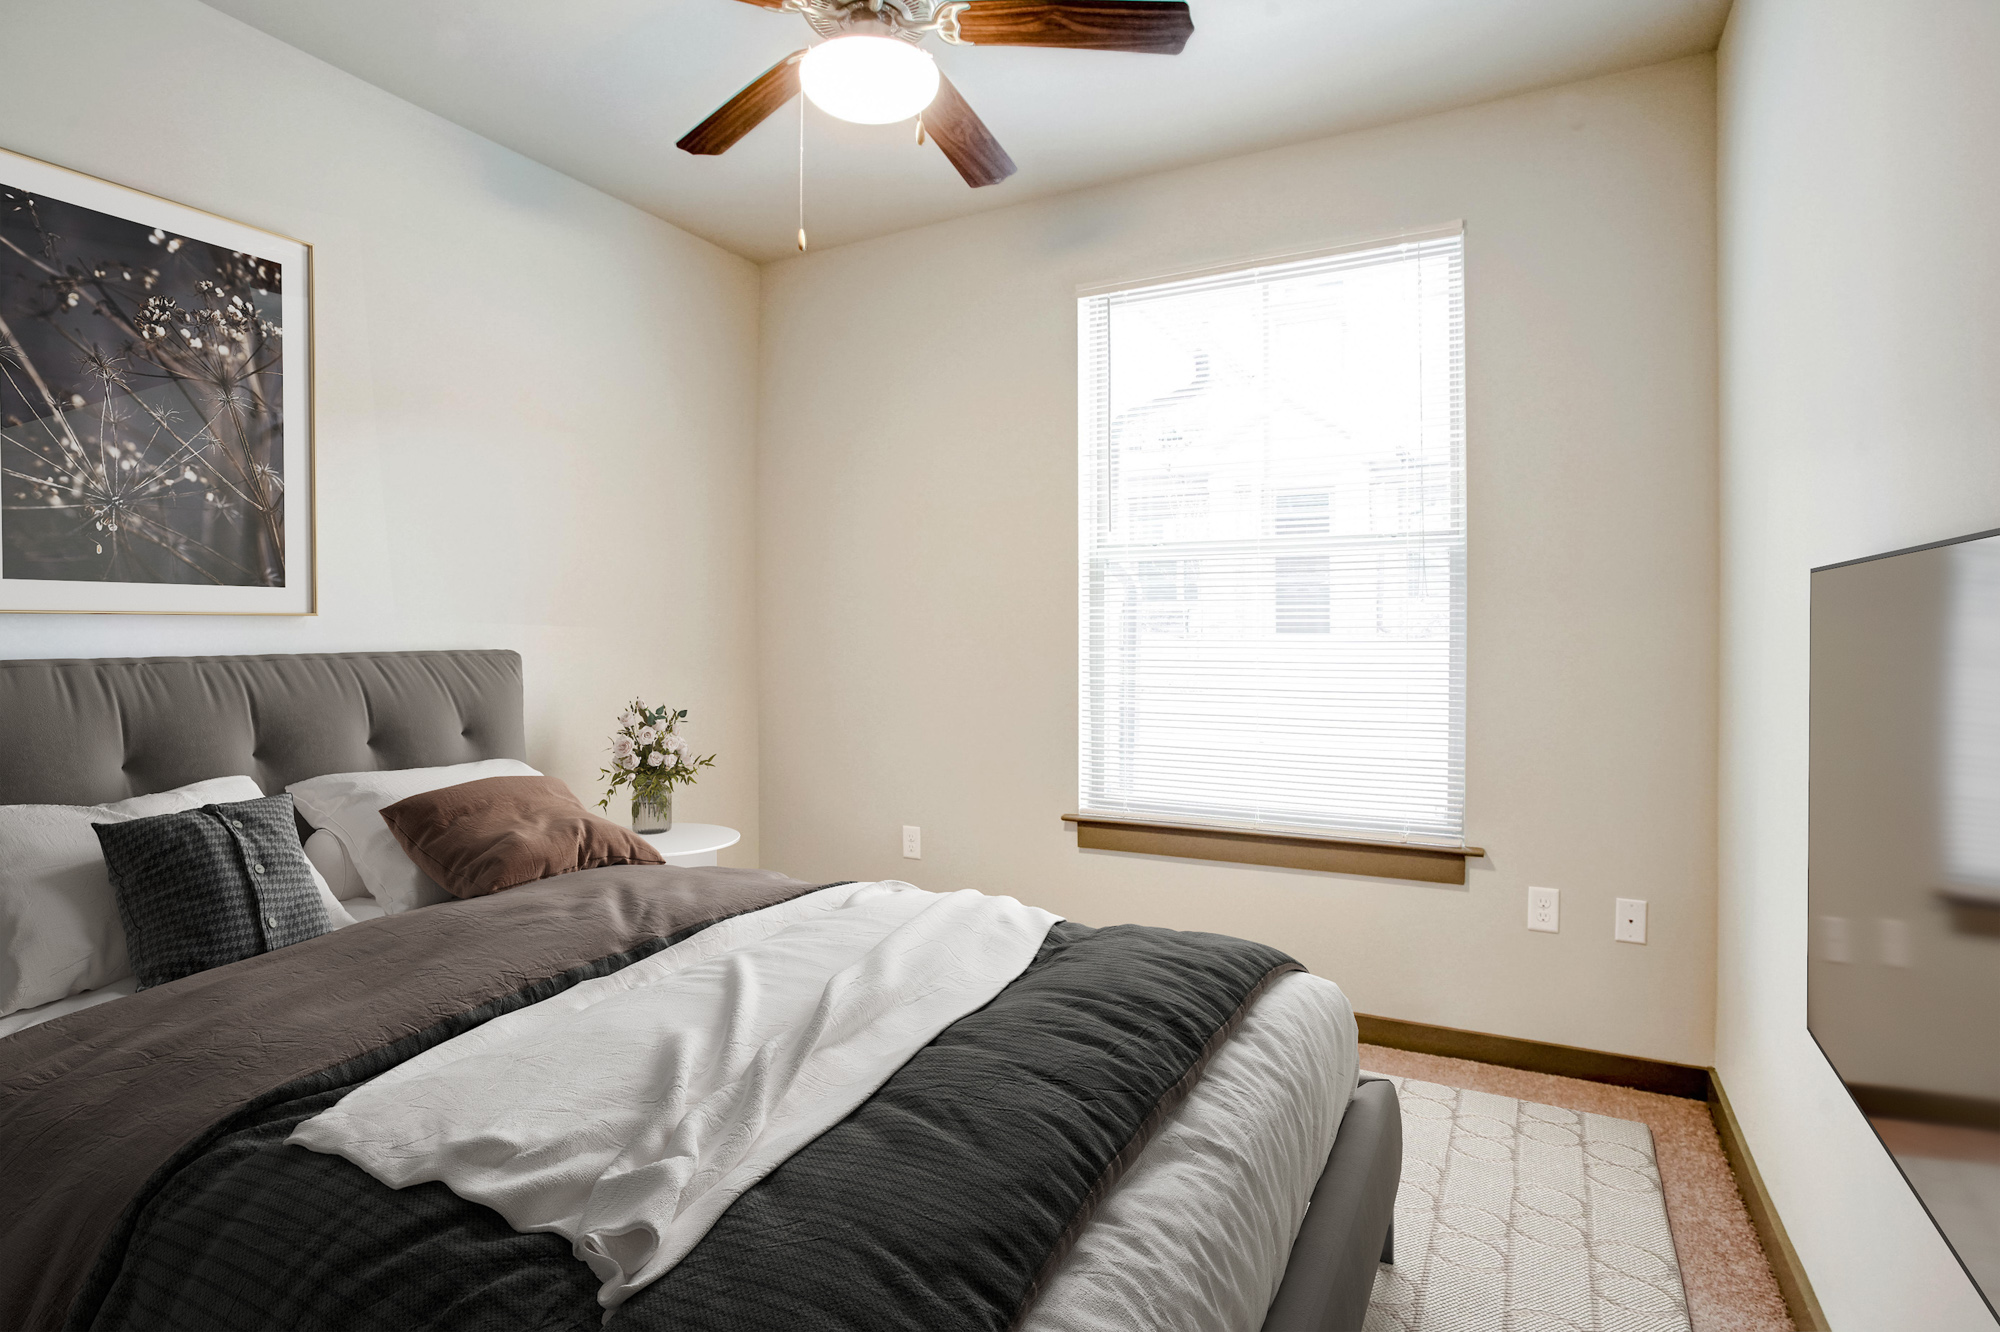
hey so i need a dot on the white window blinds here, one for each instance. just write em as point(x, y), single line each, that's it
point(1273, 546)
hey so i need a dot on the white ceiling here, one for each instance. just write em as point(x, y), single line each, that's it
point(601, 89)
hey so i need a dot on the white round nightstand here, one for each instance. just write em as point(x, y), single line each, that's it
point(693, 843)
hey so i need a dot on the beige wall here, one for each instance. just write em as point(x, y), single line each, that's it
point(1859, 188)
point(917, 577)
point(535, 403)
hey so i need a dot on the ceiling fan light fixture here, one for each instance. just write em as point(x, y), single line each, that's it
point(869, 80)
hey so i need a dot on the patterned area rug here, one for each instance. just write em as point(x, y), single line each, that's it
point(1515, 1217)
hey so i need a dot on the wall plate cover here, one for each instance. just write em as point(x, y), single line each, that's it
point(913, 842)
point(1545, 910)
point(1629, 926)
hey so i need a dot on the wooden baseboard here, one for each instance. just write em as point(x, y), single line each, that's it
point(1568, 1061)
point(1778, 1251)
point(1926, 1107)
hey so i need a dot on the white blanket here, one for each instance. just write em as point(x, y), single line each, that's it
point(628, 1113)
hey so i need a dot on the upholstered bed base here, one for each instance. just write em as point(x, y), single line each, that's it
point(1349, 1227)
point(87, 732)
point(91, 731)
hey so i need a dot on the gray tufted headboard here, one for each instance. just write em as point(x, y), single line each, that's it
point(86, 732)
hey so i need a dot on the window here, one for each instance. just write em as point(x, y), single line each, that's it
point(1273, 547)
point(1304, 583)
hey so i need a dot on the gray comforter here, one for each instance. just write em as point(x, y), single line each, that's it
point(149, 1185)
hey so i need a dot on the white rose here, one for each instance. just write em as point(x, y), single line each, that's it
point(621, 745)
point(627, 717)
point(647, 735)
point(629, 762)
point(655, 759)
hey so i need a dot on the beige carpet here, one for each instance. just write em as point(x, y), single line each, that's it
point(1728, 1284)
point(1520, 1217)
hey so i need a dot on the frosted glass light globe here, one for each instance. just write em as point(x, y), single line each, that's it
point(869, 80)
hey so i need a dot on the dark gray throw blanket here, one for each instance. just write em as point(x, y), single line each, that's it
point(943, 1202)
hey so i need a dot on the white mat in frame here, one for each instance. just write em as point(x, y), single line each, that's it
point(156, 451)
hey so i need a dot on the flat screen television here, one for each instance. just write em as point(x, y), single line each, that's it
point(1903, 976)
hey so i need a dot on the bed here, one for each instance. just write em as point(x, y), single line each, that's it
point(1227, 1173)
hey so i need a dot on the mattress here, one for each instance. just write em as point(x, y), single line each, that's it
point(362, 908)
point(76, 1003)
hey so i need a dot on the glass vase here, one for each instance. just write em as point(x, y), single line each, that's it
point(653, 816)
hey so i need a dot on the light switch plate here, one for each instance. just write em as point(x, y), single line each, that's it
point(1630, 924)
point(913, 843)
point(1545, 910)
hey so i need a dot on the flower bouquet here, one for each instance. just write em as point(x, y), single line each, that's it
point(648, 755)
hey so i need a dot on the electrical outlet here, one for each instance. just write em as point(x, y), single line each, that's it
point(913, 843)
point(1630, 923)
point(1545, 909)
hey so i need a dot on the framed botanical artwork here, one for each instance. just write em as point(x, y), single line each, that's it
point(156, 450)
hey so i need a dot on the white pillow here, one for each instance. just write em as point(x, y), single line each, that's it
point(350, 804)
point(330, 861)
point(337, 916)
point(59, 926)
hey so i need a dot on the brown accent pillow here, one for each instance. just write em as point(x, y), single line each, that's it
point(500, 832)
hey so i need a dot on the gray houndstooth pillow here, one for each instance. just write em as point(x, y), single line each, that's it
point(211, 885)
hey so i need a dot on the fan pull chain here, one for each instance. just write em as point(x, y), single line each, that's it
point(920, 129)
point(802, 173)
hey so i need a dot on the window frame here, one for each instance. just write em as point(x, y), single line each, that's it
point(1418, 857)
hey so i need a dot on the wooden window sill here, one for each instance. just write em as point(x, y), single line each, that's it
point(1972, 914)
point(1249, 846)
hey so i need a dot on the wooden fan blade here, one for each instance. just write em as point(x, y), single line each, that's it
point(1156, 27)
point(747, 110)
point(966, 141)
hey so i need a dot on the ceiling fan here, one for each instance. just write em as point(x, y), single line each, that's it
point(871, 68)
